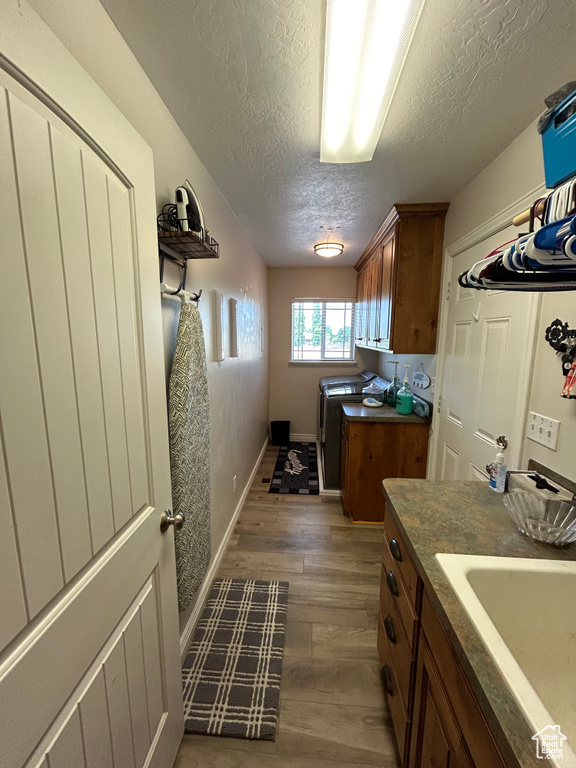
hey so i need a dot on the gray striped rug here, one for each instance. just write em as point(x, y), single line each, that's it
point(231, 675)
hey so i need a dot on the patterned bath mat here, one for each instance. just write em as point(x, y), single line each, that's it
point(231, 675)
point(296, 470)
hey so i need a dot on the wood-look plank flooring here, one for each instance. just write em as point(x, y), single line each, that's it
point(332, 708)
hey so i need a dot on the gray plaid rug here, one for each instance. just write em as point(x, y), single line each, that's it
point(231, 675)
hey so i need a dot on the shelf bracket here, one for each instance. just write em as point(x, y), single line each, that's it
point(165, 252)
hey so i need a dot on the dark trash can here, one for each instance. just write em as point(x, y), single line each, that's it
point(279, 432)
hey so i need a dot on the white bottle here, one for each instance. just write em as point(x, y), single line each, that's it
point(497, 471)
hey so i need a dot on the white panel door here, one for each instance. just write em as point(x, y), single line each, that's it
point(89, 636)
point(486, 375)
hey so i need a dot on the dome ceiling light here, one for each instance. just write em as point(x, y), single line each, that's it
point(328, 249)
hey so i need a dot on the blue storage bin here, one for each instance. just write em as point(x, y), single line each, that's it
point(559, 143)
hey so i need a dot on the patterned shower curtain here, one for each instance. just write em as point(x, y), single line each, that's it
point(189, 420)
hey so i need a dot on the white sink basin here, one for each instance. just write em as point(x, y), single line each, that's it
point(525, 612)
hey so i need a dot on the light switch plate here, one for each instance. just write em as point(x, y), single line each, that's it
point(543, 430)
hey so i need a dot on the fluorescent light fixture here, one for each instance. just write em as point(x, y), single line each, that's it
point(366, 45)
point(328, 249)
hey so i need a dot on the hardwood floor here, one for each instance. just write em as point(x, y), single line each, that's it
point(332, 709)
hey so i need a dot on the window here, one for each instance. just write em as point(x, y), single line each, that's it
point(322, 329)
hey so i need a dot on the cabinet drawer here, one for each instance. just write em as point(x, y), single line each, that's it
point(474, 729)
point(393, 583)
point(399, 720)
point(397, 551)
point(393, 649)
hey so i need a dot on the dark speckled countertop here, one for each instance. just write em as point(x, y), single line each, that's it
point(468, 518)
point(359, 412)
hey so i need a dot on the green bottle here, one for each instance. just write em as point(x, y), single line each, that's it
point(405, 403)
point(392, 393)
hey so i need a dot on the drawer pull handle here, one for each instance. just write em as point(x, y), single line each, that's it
point(386, 673)
point(395, 549)
point(390, 631)
point(392, 584)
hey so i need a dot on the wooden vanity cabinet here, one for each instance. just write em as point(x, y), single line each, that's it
point(372, 451)
point(437, 719)
point(399, 276)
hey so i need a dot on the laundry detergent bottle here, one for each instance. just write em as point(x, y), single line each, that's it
point(405, 404)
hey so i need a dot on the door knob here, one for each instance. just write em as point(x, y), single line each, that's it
point(167, 519)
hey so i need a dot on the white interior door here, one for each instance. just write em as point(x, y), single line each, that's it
point(485, 381)
point(89, 638)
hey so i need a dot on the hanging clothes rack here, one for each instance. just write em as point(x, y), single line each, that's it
point(543, 259)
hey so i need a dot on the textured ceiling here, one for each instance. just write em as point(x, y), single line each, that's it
point(244, 81)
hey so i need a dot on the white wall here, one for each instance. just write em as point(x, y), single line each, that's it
point(238, 387)
point(547, 384)
point(513, 174)
point(294, 386)
point(518, 170)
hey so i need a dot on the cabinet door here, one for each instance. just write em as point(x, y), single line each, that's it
point(361, 322)
point(377, 451)
point(386, 292)
point(473, 729)
point(375, 270)
point(436, 739)
point(344, 453)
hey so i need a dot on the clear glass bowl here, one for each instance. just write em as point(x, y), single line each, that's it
point(548, 520)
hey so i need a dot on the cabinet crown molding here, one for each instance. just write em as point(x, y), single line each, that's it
point(400, 211)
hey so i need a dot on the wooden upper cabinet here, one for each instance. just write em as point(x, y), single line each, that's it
point(399, 276)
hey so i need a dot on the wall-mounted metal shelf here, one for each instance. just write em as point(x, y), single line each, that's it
point(187, 245)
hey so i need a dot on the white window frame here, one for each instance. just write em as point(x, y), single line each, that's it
point(323, 360)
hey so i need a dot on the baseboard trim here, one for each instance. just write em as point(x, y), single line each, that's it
point(302, 438)
point(190, 626)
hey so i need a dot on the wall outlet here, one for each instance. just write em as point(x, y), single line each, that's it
point(543, 430)
point(234, 482)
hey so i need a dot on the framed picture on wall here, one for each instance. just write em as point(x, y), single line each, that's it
point(233, 328)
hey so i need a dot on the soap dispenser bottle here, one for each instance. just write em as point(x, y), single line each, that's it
point(497, 471)
point(405, 403)
point(392, 393)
